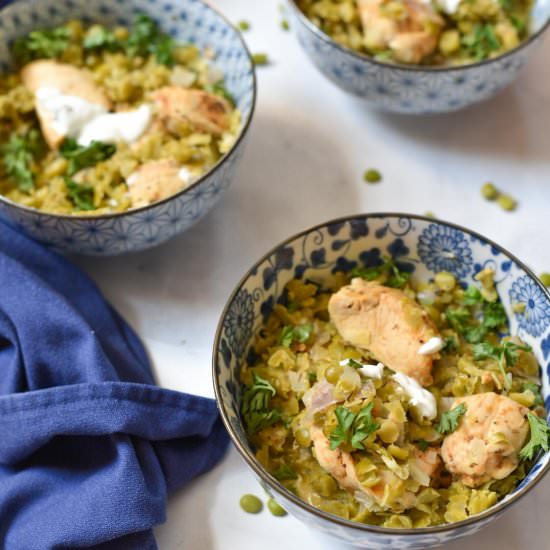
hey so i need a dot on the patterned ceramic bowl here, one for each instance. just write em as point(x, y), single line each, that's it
point(421, 246)
point(187, 21)
point(414, 89)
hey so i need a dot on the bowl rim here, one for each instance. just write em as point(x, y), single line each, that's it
point(267, 478)
point(304, 20)
point(242, 133)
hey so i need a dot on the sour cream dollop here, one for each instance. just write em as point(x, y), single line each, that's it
point(433, 345)
point(420, 398)
point(74, 117)
point(369, 371)
point(449, 6)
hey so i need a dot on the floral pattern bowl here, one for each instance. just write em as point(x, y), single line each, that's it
point(187, 21)
point(421, 246)
point(415, 89)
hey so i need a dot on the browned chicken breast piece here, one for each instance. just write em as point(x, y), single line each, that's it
point(341, 466)
point(68, 80)
point(386, 322)
point(409, 28)
point(156, 180)
point(487, 442)
point(201, 110)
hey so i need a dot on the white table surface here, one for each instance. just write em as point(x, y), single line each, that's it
point(309, 145)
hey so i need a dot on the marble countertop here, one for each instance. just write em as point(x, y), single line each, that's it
point(309, 146)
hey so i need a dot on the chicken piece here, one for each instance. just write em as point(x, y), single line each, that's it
point(341, 467)
point(203, 111)
point(386, 322)
point(156, 180)
point(67, 80)
point(487, 442)
point(409, 28)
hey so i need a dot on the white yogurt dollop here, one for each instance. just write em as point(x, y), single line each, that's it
point(127, 126)
point(433, 345)
point(369, 371)
point(74, 117)
point(68, 113)
point(420, 398)
point(449, 6)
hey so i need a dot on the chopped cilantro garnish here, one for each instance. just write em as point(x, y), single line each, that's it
point(535, 390)
point(80, 156)
point(18, 157)
point(42, 44)
point(146, 38)
point(388, 272)
point(100, 37)
point(353, 363)
point(284, 472)
point(255, 408)
point(82, 196)
point(450, 419)
point(540, 433)
point(298, 333)
point(422, 444)
point(352, 428)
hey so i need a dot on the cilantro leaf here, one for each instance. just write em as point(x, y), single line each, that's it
point(540, 433)
point(219, 89)
point(284, 472)
point(458, 318)
point(18, 156)
point(472, 296)
point(352, 428)
point(100, 37)
point(450, 419)
point(255, 407)
point(422, 444)
point(481, 41)
point(298, 333)
point(82, 196)
point(391, 275)
point(353, 363)
point(494, 315)
point(80, 156)
point(42, 44)
point(146, 38)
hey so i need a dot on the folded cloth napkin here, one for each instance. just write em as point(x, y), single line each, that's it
point(89, 446)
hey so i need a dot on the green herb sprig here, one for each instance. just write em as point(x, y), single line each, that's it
point(298, 333)
point(19, 155)
point(81, 157)
point(449, 420)
point(352, 428)
point(256, 409)
point(540, 437)
point(41, 44)
point(388, 272)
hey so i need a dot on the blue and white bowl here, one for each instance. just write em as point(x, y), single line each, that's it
point(186, 21)
point(415, 89)
point(420, 246)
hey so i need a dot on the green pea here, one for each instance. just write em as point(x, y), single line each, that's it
point(445, 281)
point(545, 279)
point(302, 437)
point(285, 25)
point(260, 59)
point(489, 191)
point(372, 176)
point(243, 25)
point(251, 504)
point(507, 202)
point(430, 214)
point(275, 509)
point(333, 374)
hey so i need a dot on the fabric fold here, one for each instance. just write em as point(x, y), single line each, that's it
point(89, 446)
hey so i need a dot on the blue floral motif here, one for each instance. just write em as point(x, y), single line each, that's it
point(239, 322)
point(443, 248)
point(358, 229)
point(536, 316)
point(371, 258)
point(545, 347)
point(283, 260)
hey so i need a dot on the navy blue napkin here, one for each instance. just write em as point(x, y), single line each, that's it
point(89, 446)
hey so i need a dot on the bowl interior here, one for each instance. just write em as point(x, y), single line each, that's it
point(185, 20)
point(418, 245)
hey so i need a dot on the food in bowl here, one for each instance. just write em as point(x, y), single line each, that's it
point(99, 120)
point(426, 32)
point(393, 402)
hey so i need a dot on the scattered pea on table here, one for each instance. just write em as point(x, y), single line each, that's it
point(372, 176)
point(260, 59)
point(545, 279)
point(275, 508)
point(489, 191)
point(507, 202)
point(251, 504)
point(285, 25)
point(243, 25)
